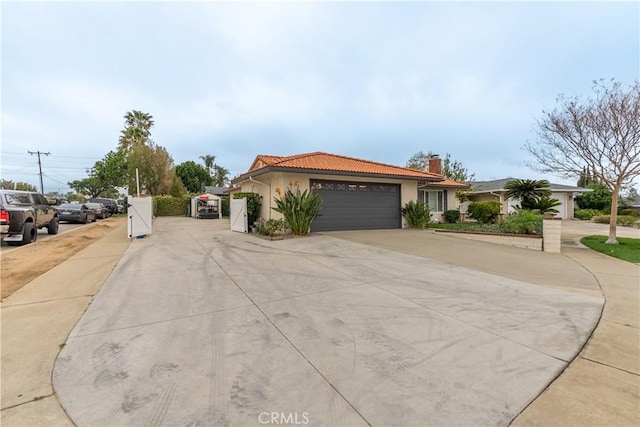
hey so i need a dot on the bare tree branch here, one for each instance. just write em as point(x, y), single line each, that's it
point(601, 134)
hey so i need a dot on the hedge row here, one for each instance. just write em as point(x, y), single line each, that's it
point(170, 205)
point(627, 220)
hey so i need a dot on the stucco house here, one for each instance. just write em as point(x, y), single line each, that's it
point(357, 194)
point(494, 190)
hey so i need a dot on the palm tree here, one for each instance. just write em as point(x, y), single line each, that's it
point(528, 191)
point(209, 161)
point(131, 136)
point(220, 176)
point(545, 205)
point(137, 129)
point(140, 120)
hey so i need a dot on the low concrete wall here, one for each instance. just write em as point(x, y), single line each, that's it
point(526, 242)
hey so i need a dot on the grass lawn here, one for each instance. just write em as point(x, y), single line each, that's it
point(627, 249)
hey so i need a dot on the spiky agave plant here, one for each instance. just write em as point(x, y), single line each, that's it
point(416, 214)
point(298, 208)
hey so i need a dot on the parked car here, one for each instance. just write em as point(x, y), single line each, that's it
point(101, 210)
point(76, 212)
point(111, 204)
point(121, 205)
point(22, 213)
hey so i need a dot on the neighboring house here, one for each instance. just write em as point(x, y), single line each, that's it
point(216, 191)
point(356, 194)
point(441, 195)
point(494, 190)
point(633, 203)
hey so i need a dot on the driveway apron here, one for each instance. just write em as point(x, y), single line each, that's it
point(198, 325)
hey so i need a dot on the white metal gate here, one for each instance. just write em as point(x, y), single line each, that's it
point(140, 210)
point(238, 215)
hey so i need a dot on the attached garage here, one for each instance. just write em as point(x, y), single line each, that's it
point(352, 205)
point(356, 194)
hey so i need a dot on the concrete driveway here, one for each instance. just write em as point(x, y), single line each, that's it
point(575, 229)
point(201, 326)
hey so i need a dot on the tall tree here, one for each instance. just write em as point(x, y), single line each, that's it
point(193, 175)
point(112, 169)
point(176, 187)
point(220, 176)
point(90, 186)
point(454, 170)
point(25, 186)
point(22, 186)
point(137, 129)
point(601, 133)
point(105, 175)
point(420, 160)
point(7, 184)
point(209, 161)
point(153, 162)
point(139, 119)
point(451, 169)
point(154, 166)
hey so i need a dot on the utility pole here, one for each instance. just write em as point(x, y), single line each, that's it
point(39, 153)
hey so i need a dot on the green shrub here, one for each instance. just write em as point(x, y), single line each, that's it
point(627, 220)
point(272, 226)
point(586, 214)
point(170, 205)
point(484, 212)
point(621, 220)
point(599, 198)
point(224, 205)
point(602, 219)
point(298, 208)
point(629, 212)
point(523, 222)
point(416, 214)
point(253, 205)
point(452, 216)
point(546, 205)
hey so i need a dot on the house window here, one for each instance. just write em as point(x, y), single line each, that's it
point(436, 199)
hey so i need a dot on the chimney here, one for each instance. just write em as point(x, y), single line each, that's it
point(435, 164)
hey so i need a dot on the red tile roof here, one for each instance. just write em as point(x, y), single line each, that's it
point(336, 163)
point(448, 183)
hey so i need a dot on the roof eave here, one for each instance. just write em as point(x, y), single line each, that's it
point(436, 184)
point(268, 169)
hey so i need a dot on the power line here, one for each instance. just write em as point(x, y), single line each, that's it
point(3, 153)
point(40, 166)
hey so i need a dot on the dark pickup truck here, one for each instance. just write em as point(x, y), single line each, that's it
point(22, 213)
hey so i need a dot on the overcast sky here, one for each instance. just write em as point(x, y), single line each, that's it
point(378, 81)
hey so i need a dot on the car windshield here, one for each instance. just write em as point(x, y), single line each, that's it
point(70, 207)
point(17, 199)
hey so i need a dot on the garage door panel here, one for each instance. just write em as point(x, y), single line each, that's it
point(351, 205)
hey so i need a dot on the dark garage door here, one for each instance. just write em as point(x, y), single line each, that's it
point(348, 205)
